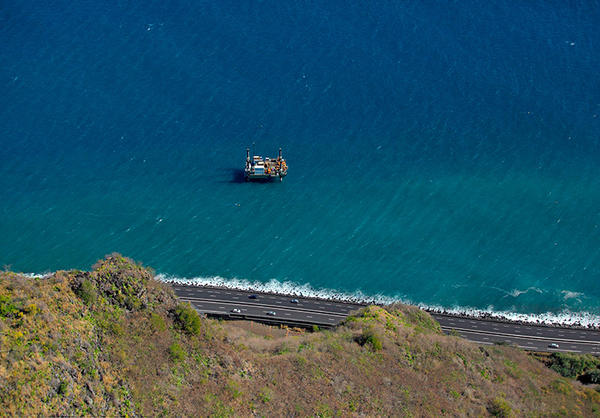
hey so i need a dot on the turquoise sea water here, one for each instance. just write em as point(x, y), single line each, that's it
point(440, 153)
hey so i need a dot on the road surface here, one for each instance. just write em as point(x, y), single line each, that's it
point(307, 312)
point(328, 313)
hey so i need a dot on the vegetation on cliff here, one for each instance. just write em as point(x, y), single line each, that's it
point(116, 341)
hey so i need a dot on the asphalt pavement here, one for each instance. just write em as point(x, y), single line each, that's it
point(283, 309)
point(265, 307)
point(527, 336)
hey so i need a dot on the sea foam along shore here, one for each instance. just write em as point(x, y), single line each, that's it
point(565, 318)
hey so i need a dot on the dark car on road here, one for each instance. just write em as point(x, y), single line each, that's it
point(252, 297)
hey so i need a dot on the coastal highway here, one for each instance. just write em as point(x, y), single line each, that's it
point(307, 312)
point(327, 313)
point(527, 336)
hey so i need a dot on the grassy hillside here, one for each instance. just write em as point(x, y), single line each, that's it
point(115, 341)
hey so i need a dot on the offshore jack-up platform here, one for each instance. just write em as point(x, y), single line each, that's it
point(259, 168)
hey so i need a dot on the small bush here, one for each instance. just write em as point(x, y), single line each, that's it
point(87, 292)
point(234, 389)
point(265, 395)
point(124, 282)
point(158, 323)
point(176, 352)
point(62, 388)
point(591, 377)
point(370, 337)
point(282, 349)
point(422, 319)
point(572, 365)
point(187, 318)
point(500, 408)
point(8, 309)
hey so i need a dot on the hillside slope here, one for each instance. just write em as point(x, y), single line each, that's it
point(115, 341)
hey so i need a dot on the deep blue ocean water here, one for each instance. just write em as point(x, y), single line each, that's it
point(442, 153)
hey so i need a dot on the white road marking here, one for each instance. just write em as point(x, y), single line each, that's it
point(504, 334)
point(291, 307)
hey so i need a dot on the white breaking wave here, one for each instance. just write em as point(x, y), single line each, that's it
point(36, 275)
point(283, 288)
point(565, 317)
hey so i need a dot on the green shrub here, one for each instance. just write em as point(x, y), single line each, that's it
point(7, 308)
point(500, 408)
point(125, 283)
point(422, 319)
point(187, 318)
point(234, 388)
point(282, 349)
point(591, 377)
point(305, 346)
point(572, 365)
point(62, 388)
point(176, 352)
point(265, 395)
point(158, 323)
point(371, 338)
point(87, 292)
